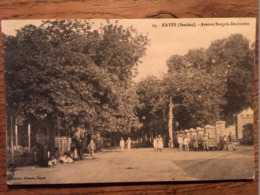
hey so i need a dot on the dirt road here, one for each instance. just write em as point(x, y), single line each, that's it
point(143, 164)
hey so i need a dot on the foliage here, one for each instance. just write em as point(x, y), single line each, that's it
point(153, 110)
point(234, 58)
point(206, 85)
point(212, 84)
point(71, 74)
point(196, 97)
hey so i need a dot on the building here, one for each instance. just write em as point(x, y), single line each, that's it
point(245, 121)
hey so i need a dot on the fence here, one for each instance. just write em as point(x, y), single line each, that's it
point(63, 144)
point(213, 133)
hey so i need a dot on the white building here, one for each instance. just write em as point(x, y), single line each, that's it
point(245, 119)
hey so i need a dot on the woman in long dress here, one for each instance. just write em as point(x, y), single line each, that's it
point(128, 142)
point(160, 144)
point(155, 144)
point(122, 144)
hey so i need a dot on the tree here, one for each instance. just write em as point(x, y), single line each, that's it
point(65, 71)
point(196, 96)
point(234, 59)
point(153, 109)
point(213, 83)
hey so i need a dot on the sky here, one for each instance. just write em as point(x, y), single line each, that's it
point(169, 36)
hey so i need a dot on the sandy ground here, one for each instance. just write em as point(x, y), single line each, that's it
point(145, 165)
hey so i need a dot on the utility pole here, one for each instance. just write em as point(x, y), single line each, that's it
point(12, 141)
point(16, 135)
point(29, 137)
point(170, 124)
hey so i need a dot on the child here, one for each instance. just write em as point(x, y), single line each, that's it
point(91, 148)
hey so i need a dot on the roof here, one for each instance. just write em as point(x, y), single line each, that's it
point(247, 111)
point(209, 126)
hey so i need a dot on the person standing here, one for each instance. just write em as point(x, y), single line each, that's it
point(78, 143)
point(91, 148)
point(205, 142)
point(128, 142)
point(225, 141)
point(160, 143)
point(180, 142)
point(195, 143)
point(122, 144)
point(200, 145)
point(230, 142)
point(74, 147)
point(155, 144)
point(170, 144)
point(186, 143)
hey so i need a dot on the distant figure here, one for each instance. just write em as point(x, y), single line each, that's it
point(155, 146)
point(205, 142)
point(91, 148)
point(200, 146)
point(57, 155)
point(221, 146)
point(74, 149)
point(159, 143)
point(77, 143)
point(122, 144)
point(128, 142)
point(186, 143)
point(54, 159)
point(195, 143)
point(225, 142)
point(170, 145)
point(230, 142)
point(180, 142)
point(75, 155)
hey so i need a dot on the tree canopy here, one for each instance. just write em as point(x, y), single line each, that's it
point(71, 72)
point(213, 83)
point(205, 84)
point(233, 58)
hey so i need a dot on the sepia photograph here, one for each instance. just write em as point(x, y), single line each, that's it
point(129, 100)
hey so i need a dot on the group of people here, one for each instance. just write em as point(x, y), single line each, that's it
point(122, 144)
point(57, 158)
point(201, 142)
point(157, 143)
point(226, 142)
point(69, 157)
point(183, 141)
point(198, 143)
point(79, 143)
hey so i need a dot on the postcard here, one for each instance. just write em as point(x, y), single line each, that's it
point(129, 100)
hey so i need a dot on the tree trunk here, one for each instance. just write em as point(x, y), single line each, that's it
point(170, 124)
